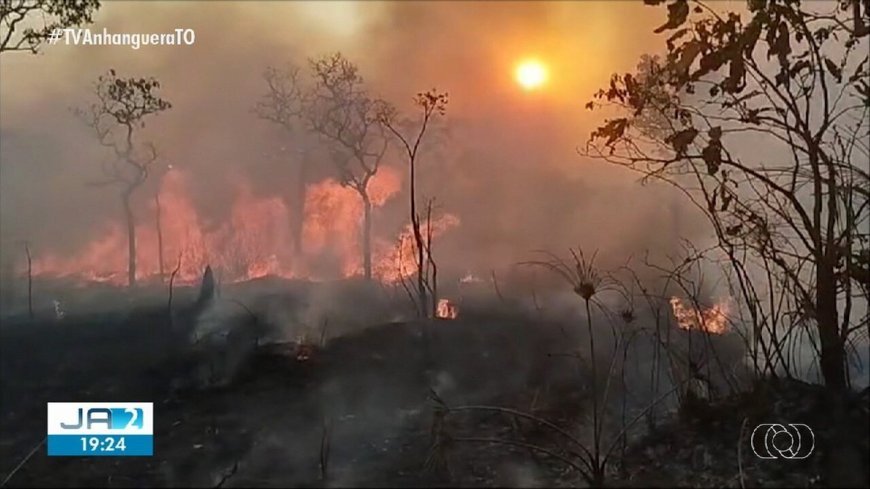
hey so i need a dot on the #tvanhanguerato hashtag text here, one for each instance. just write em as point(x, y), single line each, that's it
point(55, 36)
point(86, 37)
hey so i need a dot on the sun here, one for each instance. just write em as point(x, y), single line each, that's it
point(531, 74)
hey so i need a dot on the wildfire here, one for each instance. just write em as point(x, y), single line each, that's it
point(712, 320)
point(253, 240)
point(400, 260)
point(446, 309)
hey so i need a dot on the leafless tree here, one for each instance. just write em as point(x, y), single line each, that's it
point(336, 106)
point(116, 117)
point(430, 271)
point(791, 219)
point(342, 111)
point(431, 103)
point(159, 226)
point(29, 279)
point(26, 24)
point(284, 104)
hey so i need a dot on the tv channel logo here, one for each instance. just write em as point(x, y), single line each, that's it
point(792, 441)
point(100, 429)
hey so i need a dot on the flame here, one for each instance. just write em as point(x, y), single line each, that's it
point(446, 309)
point(333, 216)
point(399, 261)
point(712, 320)
point(253, 240)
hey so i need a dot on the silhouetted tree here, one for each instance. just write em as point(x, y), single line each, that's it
point(430, 103)
point(29, 279)
point(336, 106)
point(116, 116)
point(793, 77)
point(26, 24)
point(284, 103)
point(159, 226)
point(341, 110)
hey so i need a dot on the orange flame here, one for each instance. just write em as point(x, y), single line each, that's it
point(712, 320)
point(446, 309)
point(253, 241)
point(399, 261)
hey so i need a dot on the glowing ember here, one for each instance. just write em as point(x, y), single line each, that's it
point(712, 320)
point(304, 352)
point(446, 310)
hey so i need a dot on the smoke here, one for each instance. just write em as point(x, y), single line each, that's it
point(503, 161)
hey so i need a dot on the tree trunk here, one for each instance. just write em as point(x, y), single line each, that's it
point(29, 281)
point(297, 207)
point(421, 279)
point(418, 240)
point(367, 236)
point(434, 309)
point(131, 239)
point(159, 237)
point(832, 352)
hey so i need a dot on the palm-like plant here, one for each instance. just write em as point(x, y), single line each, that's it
point(588, 282)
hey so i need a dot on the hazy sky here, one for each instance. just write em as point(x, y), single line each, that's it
point(512, 173)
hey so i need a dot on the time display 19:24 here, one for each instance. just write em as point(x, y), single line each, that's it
point(103, 444)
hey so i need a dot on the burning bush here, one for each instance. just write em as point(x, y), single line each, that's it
point(713, 320)
point(446, 309)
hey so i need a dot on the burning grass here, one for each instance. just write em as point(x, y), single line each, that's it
point(446, 309)
point(254, 240)
point(713, 320)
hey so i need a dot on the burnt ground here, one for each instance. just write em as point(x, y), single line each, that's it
point(369, 388)
point(367, 394)
point(708, 446)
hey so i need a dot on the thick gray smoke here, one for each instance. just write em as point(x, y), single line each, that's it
point(507, 165)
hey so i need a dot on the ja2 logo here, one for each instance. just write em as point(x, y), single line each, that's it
point(112, 418)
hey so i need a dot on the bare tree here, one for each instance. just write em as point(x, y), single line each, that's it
point(283, 104)
point(337, 107)
point(791, 219)
point(431, 103)
point(29, 280)
point(342, 111)
point(159, 226)
point(116, 116)
point(26, 24)
point(430, 271)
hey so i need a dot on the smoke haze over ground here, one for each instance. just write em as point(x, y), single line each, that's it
point(507, 167)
